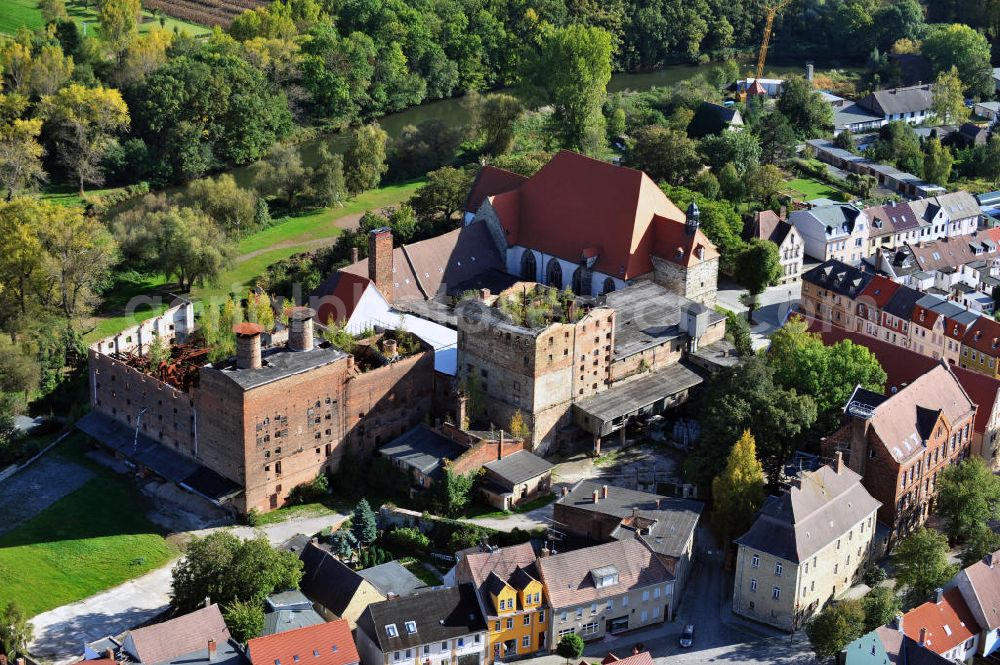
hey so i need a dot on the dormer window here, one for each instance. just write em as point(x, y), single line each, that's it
point(391, 631)
point(605, 576)
point(411, 627)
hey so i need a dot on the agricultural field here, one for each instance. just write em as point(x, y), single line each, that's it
point(205, 12)
point(17, 13)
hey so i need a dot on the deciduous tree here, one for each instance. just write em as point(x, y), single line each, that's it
point(808, 114)
point(282, 173)
point(364, 162)
point(835, 627)
point(119, 21)
point(758, 266)
point(15, 631)
point(737, 492)
point(921, 562)
point(881, 606)
point(937, 162)
point(948, 102)
point(438, 200)
point(664, 154)
point(245, 619)
point(963, 47)
point(981, 543)
point(570, 647)
point(968, 495)
point(497, 115)
point(80, 253)
point(21, 156)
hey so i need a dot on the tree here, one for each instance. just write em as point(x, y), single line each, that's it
point(937, 162)
point(283, 173)
point(777, 139)
point(245, 620)
point(835, 627)
point(963, 47)
point(948, 102)
point(570, 71)
point(49, 71)
point(881, 606)
point(328, 178)
point(407, 541)
point(518, 428)
point(363, 525)
point(989, 163)
point(737, 492)
point(82, 252)
point(757, 267)
point(53, 10)
point(343, 544)
point(364, 162)
point(968, 495)
point(740, 149)
point(225, 568)
point(231, 207)
point(764, 182)
point(15, 631)
point(738, 332)
point(497, 115)
point(454, 490)
point(119, 21)
point(21, 156)
point(981, 543)
point(85, 120)
point(845, 141)
point(664, 154)
point(899, 145)
point(806, 111)
point(570, 647)
point(921, 562)
point(731, 184)
point(22, 260)
point(438, 200)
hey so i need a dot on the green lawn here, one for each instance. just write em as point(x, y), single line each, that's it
point(91, 540)
point(17, 13)
point(812, 189)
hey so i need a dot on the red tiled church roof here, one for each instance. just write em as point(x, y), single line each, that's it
point(490, 182)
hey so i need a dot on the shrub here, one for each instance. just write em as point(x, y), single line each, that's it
point(407, 541)
point(874, 576)
point(310, 492)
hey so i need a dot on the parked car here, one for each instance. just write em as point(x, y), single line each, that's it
point(687, 637)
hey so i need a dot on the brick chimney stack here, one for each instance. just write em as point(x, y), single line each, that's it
point(248, 345)
point(212, 649)
point(838, 461)
point(354, 255)
point(923, 636)
point(462, 410)
point(380, 260)
point(300, 329)
point(596, 495)
point(500, 447)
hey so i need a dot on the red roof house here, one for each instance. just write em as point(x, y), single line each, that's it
point(944, 625)
point(323, 644)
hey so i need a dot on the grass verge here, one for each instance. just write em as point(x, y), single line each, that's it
point(91, 540)
point(812, 189)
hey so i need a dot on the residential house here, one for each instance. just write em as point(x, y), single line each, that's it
point(981, 347)
point(944, 625)
point(768, 225)
point(393, 580)
point(896, 315)
point(829, 292)
point(328, 643)
point(337, 591)
point(806, 547)
point(198, 637)
point(838, 231)
point(888, 645)
point(870, 303)
point(926, 329)
point(912, 104)
point(903, 367)
point(947, 215)
point(979, 585)
point(900, 443)
point(970, 134)
point(516, 479)
point(438, 627)
point(891, 226)
point(606, 589)
point(712, 119)
point(988, 110)
point(288, 610)
point(422, 453)
point(603, 513)
point(509, 591)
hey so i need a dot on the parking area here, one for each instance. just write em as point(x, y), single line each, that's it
point(32, 490)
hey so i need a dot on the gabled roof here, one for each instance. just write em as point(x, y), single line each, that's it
point(323, 644)
point(984, 582)
point(902, 302)
point(822, 507)
point(519, 467)
point(836, 221)
point(955, 251)
point(436, 615)
point(392, 579)
point(491, 181)
point(675, 243)
point(866, 650)
point(642, 658)
point(490, 571)
point(328, 581)
point(912, 99)
point(904, 651)
point(838, 277)
point(948, 623)
point(568, 580)
point(984, 336)
point(162, 642)
point(878, 292)
point(423, 449)
point(575, 203)
point(341, 293)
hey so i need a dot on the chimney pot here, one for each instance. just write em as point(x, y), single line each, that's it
point(938, 595)
point(108, 653)
point(635, 510)
point(208, 601)
point(898, 622)
point(657, 504)
point(248, 345)
point(484, 294)
point(604, 491)
point(300, 329)
point(211, 649)
point(596, 496)
point(923, 636)
point(354, 254)
point(565, 491)
point(838, 461)
point(389, 348)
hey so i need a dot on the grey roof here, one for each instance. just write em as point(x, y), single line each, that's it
point(647, 315)
point(670, 522)
point(902, 302)
point(281, 621)
point(837, 219)
point(227, 652)
point(903, 650)
point(990, 106)
point(287, 600)
point(799, 523)
point(899, 100)
point(327, 580)
point(629, 396)
point(839, 277)
point(853, 114)
point(148, 452)
point(519, 467)
point(278, 363)
point(392, 579)
point(989, 198)
point(959, 205)
point(422, 449)
point(439, 614)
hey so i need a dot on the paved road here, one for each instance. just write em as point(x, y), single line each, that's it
point(35, 488)
point(61, 633)
point(775, 304)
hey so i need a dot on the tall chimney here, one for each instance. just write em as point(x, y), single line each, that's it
point(838, 461)
point(565, 491)
point(354, 255)
point(923, 636)
point(300, 329)
point(380, 260)
point(898, 622)
point(462, 410)
point(604, 491)
point(211, 649)
point(500, 447)
point(248, 345)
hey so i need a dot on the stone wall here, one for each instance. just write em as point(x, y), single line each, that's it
point(698, 283)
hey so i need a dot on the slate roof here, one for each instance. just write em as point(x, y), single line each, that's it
point(568, 579)
point(948, 623)
point(519, 467)
point(902, 302)
point(423, 449)
point(806, 518)
point(984, 580)
point(278, 363)
point(281, 621)
point(190, 633)
point(323, 644)
point(911, 99)
point(838, 277)
point(575, 204)
point(392, 579)
point(894, 218)
point(439, 614)
point(327, 580)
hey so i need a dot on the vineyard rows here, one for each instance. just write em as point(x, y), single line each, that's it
point(205, 12)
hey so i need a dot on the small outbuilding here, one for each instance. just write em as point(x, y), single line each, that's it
point(515, 479)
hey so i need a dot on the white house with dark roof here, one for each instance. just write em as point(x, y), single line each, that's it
point(837, 231)
point(806, 547)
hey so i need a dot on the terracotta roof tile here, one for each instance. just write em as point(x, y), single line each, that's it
point(879, 291)
point(324, 644)
point(491, 181)
point(948, 623)
point(984, 336)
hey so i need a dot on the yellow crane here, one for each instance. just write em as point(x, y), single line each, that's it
point(772, 11)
